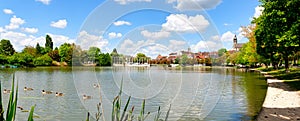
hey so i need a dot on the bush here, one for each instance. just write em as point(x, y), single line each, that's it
point(44, 60)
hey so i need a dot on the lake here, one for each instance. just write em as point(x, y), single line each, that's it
point(190, 93)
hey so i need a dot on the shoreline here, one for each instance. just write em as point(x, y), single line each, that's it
point(281, 102)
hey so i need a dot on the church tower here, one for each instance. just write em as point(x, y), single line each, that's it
point(235, 42)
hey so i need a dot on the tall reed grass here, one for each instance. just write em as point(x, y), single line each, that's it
point(12, 104)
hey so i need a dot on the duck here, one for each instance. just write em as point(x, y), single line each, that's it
point(28, 89)
point(86, 97)
point(46, 92)
point(58, 94)
point(96, 85)
point(22, 109)
point(6, 91)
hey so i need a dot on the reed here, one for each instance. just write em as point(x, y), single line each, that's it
point(12, 104)
point(127, 115)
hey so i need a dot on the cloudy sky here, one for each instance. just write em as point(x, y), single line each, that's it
point(149, 26)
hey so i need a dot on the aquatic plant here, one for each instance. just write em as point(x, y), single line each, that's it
point(12, 104)
point(128, 115)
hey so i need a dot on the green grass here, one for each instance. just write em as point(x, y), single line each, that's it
point(292, 78)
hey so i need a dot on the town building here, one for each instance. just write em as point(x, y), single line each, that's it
point(237, 46)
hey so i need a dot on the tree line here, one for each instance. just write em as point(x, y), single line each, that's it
point(66, 54)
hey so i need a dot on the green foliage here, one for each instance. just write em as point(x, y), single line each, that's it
point(44, 60)
point(65, 52)
point(105, 59)
point(6, 48)
point(3, 59)
point(49, 43)
point(54, 55)
point(39, 49)
point(221, 52)
point(184, 59)
point(23, 59)
point(30, 117)
point(30, 50)
point(278, 27)
point(114, 53)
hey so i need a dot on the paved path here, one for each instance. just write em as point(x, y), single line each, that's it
point(281, 103)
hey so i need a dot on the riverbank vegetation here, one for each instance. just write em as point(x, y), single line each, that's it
point(65, 54)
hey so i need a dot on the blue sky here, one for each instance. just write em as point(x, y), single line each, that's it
point(149, 26)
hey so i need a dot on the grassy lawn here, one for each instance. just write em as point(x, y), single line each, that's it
point(292, 78)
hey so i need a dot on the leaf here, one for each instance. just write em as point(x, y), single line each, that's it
point(30, 117)
point(125, 108)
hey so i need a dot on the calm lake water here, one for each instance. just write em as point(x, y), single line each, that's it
point(193, 93)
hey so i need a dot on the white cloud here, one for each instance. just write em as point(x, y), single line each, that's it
point(120, 23)
point(212, 44)
point(46, 2)
point(2, 29)
point(227, 36)
point(155, 35)
point(60, 39)
point(113, 35)
point(258, 11)
point(124, 2)
point(20, 40)
point(184, 23)
point(15, 23)
point(59, 24)
point(176, 45)
point(129, 47)
point(30, 30)
point(8, 11)
point(86, 40)
point(195, 4)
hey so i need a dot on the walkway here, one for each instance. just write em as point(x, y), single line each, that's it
point(281, 103)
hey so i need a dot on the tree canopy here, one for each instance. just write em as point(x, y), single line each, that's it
point(6, 48)
point(278, 27)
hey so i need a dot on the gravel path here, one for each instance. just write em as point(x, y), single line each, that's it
point(281, 103)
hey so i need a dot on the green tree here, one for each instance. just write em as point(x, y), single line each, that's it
point(114, 53)
point(49, 43)
point(65, 52)
point(39, 49)
point(184, 59)
point(30, 50)
point(23, 59)
point(54, 55)
point(6, 48)
point(44, 60)
point(278, 27)
point(141, 57)
point(3, 59)
point(222, 51)
point(177, 60)
point(105, 59)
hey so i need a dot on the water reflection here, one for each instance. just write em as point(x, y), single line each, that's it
point(195, 93)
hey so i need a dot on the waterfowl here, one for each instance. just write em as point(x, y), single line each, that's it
point(96, 85)
point(28, 89)
point(86, 97)
point(46, 92)
point(22, 109)
point(58, 94)
point(6, 91)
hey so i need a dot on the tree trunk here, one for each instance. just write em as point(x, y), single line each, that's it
point(286, 63)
